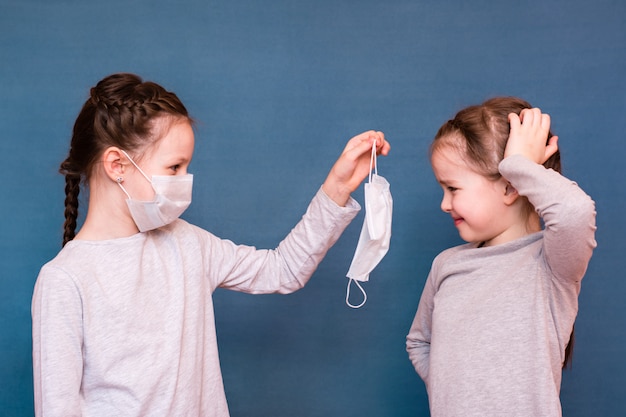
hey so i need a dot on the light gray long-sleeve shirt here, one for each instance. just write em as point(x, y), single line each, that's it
point(125, 327)
point(492, 324)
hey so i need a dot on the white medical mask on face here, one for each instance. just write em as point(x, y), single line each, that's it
point(376, 232)
point(172, 196)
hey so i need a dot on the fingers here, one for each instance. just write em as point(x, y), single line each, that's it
point(382, 146)
point(362, 143)
point(385, 147)
point(551, 148)
point(545, 122)
point(534, 119)
point(515, 121)
point(353, 165)
point(528, 135)
point(372, 136)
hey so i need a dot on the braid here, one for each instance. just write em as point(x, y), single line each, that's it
point(126, 106)
point(72, 190)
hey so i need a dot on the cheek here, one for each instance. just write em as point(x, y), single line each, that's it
point(139, 188)
point(461, 204)
point(147, 193)
point(472, 210)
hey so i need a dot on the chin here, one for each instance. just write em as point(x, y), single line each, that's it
point(468, 239)
point(472, 239)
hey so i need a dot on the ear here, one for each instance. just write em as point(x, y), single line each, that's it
point(510, 194)
point(113, 161)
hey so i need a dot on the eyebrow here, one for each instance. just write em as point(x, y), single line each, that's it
point(180, 158)
point(448, 182)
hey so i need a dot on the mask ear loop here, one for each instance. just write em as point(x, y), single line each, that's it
point(119, 181)
point(139, 169)
point(136, 166)
point(350, 281)
point(373, 161)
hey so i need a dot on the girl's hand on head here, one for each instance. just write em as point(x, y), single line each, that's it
point(528, 136)
point(353, 166)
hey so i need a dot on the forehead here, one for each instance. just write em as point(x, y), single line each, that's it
point(447, 159)
point(451, 168)
point(176, 139)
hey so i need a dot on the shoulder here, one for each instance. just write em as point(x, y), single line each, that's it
point(182, 231)
point(68, 258)
point(453, 252)
point(449, 260)
point(467, 259)
point(190, 239)
point(176, 228)
point(56, 278)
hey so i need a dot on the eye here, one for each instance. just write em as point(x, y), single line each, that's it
point(175, 168)
point(451, 189)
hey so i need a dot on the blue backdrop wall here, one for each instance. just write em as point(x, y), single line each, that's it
point(278, 87)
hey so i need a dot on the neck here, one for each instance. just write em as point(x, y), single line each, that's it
point(521, 226)
point(533, 224)
point(107, 215)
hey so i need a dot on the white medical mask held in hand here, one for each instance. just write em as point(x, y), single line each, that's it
point(376, 232)
point(172, 196)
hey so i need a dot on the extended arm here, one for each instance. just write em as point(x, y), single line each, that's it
point(289, 267)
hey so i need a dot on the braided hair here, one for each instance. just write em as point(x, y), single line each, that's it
point(120, 111)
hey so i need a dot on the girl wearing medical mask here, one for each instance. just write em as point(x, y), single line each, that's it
point(123, 318)
point(494, 325)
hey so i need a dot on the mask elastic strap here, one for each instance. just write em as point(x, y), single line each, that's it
point(137, 166)
point(348, 294)
point(119, 182)
point(373, 163)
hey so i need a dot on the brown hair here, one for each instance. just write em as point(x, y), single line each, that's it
point(479, 133)
point(121, 112)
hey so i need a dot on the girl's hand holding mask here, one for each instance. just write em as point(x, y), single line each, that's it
point(353, 165)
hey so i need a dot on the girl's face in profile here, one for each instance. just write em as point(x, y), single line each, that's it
point(476, 203)
point(170, 155)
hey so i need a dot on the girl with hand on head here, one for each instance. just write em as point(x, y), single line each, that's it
point(494, 325)
point(123, 319)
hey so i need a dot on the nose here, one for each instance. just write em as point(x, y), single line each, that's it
point(446, 203)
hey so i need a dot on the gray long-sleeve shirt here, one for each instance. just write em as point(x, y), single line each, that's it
point(125, 327)
point(492, 324)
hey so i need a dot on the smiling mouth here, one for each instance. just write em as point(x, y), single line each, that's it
point(458, 221)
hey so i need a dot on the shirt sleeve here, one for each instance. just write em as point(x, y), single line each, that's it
point(57, 367)
point(568, 214)
point(288, 267)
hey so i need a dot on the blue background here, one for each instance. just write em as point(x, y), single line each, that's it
point(278, 87)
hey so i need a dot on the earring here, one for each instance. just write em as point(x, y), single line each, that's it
point(119, 180)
